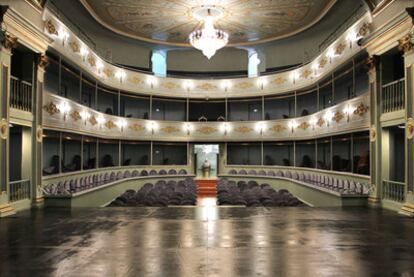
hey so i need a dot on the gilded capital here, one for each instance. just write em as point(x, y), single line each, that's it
point(43, 61)
point(405, 44)
point(9, 42)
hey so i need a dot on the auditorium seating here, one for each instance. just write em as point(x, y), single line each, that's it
point(161, 194)
point(251, 194)
point(342, 186)
point(78, 184)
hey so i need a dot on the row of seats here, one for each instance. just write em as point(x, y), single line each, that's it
point(251, 194)
point(76, 184)
point(342, 186)
point(161, 194)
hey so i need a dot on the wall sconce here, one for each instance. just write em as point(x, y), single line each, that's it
point(348, 110)
point(313, 122)
point(188, 128)
point(262, 82)
point(153, 126)
point(225, 128)
point(293, 125)
point(99, 66)
point(63, 35)
point(151, 81)
point(294, 76)
point(315, 67)
point(352, 37)
point(84, 52)
point(188, 85)
point(85, 116)
point(260, 127)
point(328, 117)
point(330, 54)
point(121, 124)
point(64, 108)
point(226, 85)
point(100, 120)
point(120, 74)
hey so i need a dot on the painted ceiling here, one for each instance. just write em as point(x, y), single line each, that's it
point(170, 22)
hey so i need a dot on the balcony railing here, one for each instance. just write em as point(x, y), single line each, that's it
point(19, 190)
point(393, 96)
point(20, 94)
point(394, 191)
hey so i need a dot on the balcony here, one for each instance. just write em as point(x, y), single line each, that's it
point(394, 191)
point(19, 190)
point(393, 96)
point(20, 94)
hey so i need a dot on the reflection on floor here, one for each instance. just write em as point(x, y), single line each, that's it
point(207, 241)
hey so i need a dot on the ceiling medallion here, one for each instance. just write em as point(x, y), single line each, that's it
point(208, 39)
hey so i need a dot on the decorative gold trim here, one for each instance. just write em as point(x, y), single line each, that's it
point(74, 45)
point(306, 73)
point(170, 129)
point(372, 133)
point(9, 42)
point(136, 80)
point(323, 62)
point(91, 60)
point(361, 109)
point(43, 61)
point(51, 108)
point(39, 134)
point(410, 128)
point(92, 120)
point(278, 81)
point(243, 129)
point(110, 124)
point(304, 125)
point(109, 73)
point(338, 117)
point(277, 128)
point(244, 85)
point(405, 44)
point(170, 85)
point(364, 30)
point(340, 49)
point(320, 122)
point(75, 115)
point(50, 27)
point(4, 128)
point(206, 86)
point(137, 127)
point(207, 130)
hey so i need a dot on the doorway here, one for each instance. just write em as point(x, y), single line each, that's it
point(206, 155)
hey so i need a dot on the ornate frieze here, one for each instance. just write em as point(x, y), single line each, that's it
point(50, 28)
point(75, 115)
point(278, 81)
point(51, 108)
point(137, 127)
point(108, 72)
point(39, 134)
point(340, 49)
point(410, 128)
point(207, 130)
point(277, 128)
point(92, 60)
point(304, 125)
point(320, 122)
point(4, 128)
point(244, 85)
point(364, 30)
point(43, 61)
point(92, 120)
point(9, 42)
point(243, 129)
point(372, 133)
point(323, 62)
point(361, 109)
point(306, 74)
point(110, 124)
point(170, 129)
point(338, 116)
point(405, 44)
point(206, 86)
point(74, 45)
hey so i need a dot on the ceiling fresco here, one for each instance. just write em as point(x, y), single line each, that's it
point(170, 22)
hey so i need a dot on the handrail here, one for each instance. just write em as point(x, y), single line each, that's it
point(20, 94)
point(393, 96)
point(19, 190)
point(393, 190)
point(393, 83)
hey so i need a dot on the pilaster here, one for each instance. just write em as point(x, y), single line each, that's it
point(37, 135)
point(406, 46)
point(375, 139)
point(8, 42)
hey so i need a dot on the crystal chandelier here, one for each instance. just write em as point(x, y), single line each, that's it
point(208, 39)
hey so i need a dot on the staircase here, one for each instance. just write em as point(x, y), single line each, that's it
point(207, 187)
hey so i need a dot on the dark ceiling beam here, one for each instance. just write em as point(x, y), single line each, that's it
point(369, 4)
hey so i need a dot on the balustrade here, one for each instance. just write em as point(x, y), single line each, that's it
point(20, 94)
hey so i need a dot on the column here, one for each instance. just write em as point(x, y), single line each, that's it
point(406, 46)
point(37, 162)
point(8, 42)
point(375, 130)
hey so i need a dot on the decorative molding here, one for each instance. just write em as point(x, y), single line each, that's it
point(4, 128)
point(243, 129)
point(135, 80)
point(320, 122)
point(405, 44)
point(306, 73)
point(304, 125)
point(410, 128)
point(361, 109)
point(110, 124)
point(244, 85)
point(137, 127)
point(74, 45)
point(9, 42)
point(91, 60)
point(373, 133)
point(75, 115)
point(340, 49)
point(278, 81)
point(364, 30)
point(51, 108)
point(42, 61)
point(323, 62)
point(338, 116)
point(108, 72)
point(277, 128)
point(170, 85)
point(372, 63)
point(92, 120)
point(206, 86)
point(39, 134)
point(50, 28)
point(207, 130)
point(170, 129)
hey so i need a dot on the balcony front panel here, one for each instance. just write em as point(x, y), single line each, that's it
point(62, 114)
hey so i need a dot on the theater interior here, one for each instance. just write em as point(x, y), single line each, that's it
point(206, 138)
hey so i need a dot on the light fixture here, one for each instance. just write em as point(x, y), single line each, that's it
point(328, 117)
point(151, 81)
point(100, 120)
point(188, 85)
point(188, 128)
point(348, 110)
point(313, 122)
point(295, 76)
point(64, 108)
point(85, 115)
point(84, 52)
point(63, 35)
point(208, 39)
point(225, 128)
point(99, 66)
point(259, 127)
point(293, 125)
point(120, 74)
point(121, 124)
point(153, 126)
point(262, 82)
point(226, 85)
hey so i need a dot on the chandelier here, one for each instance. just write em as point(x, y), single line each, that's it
point(208, 39)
